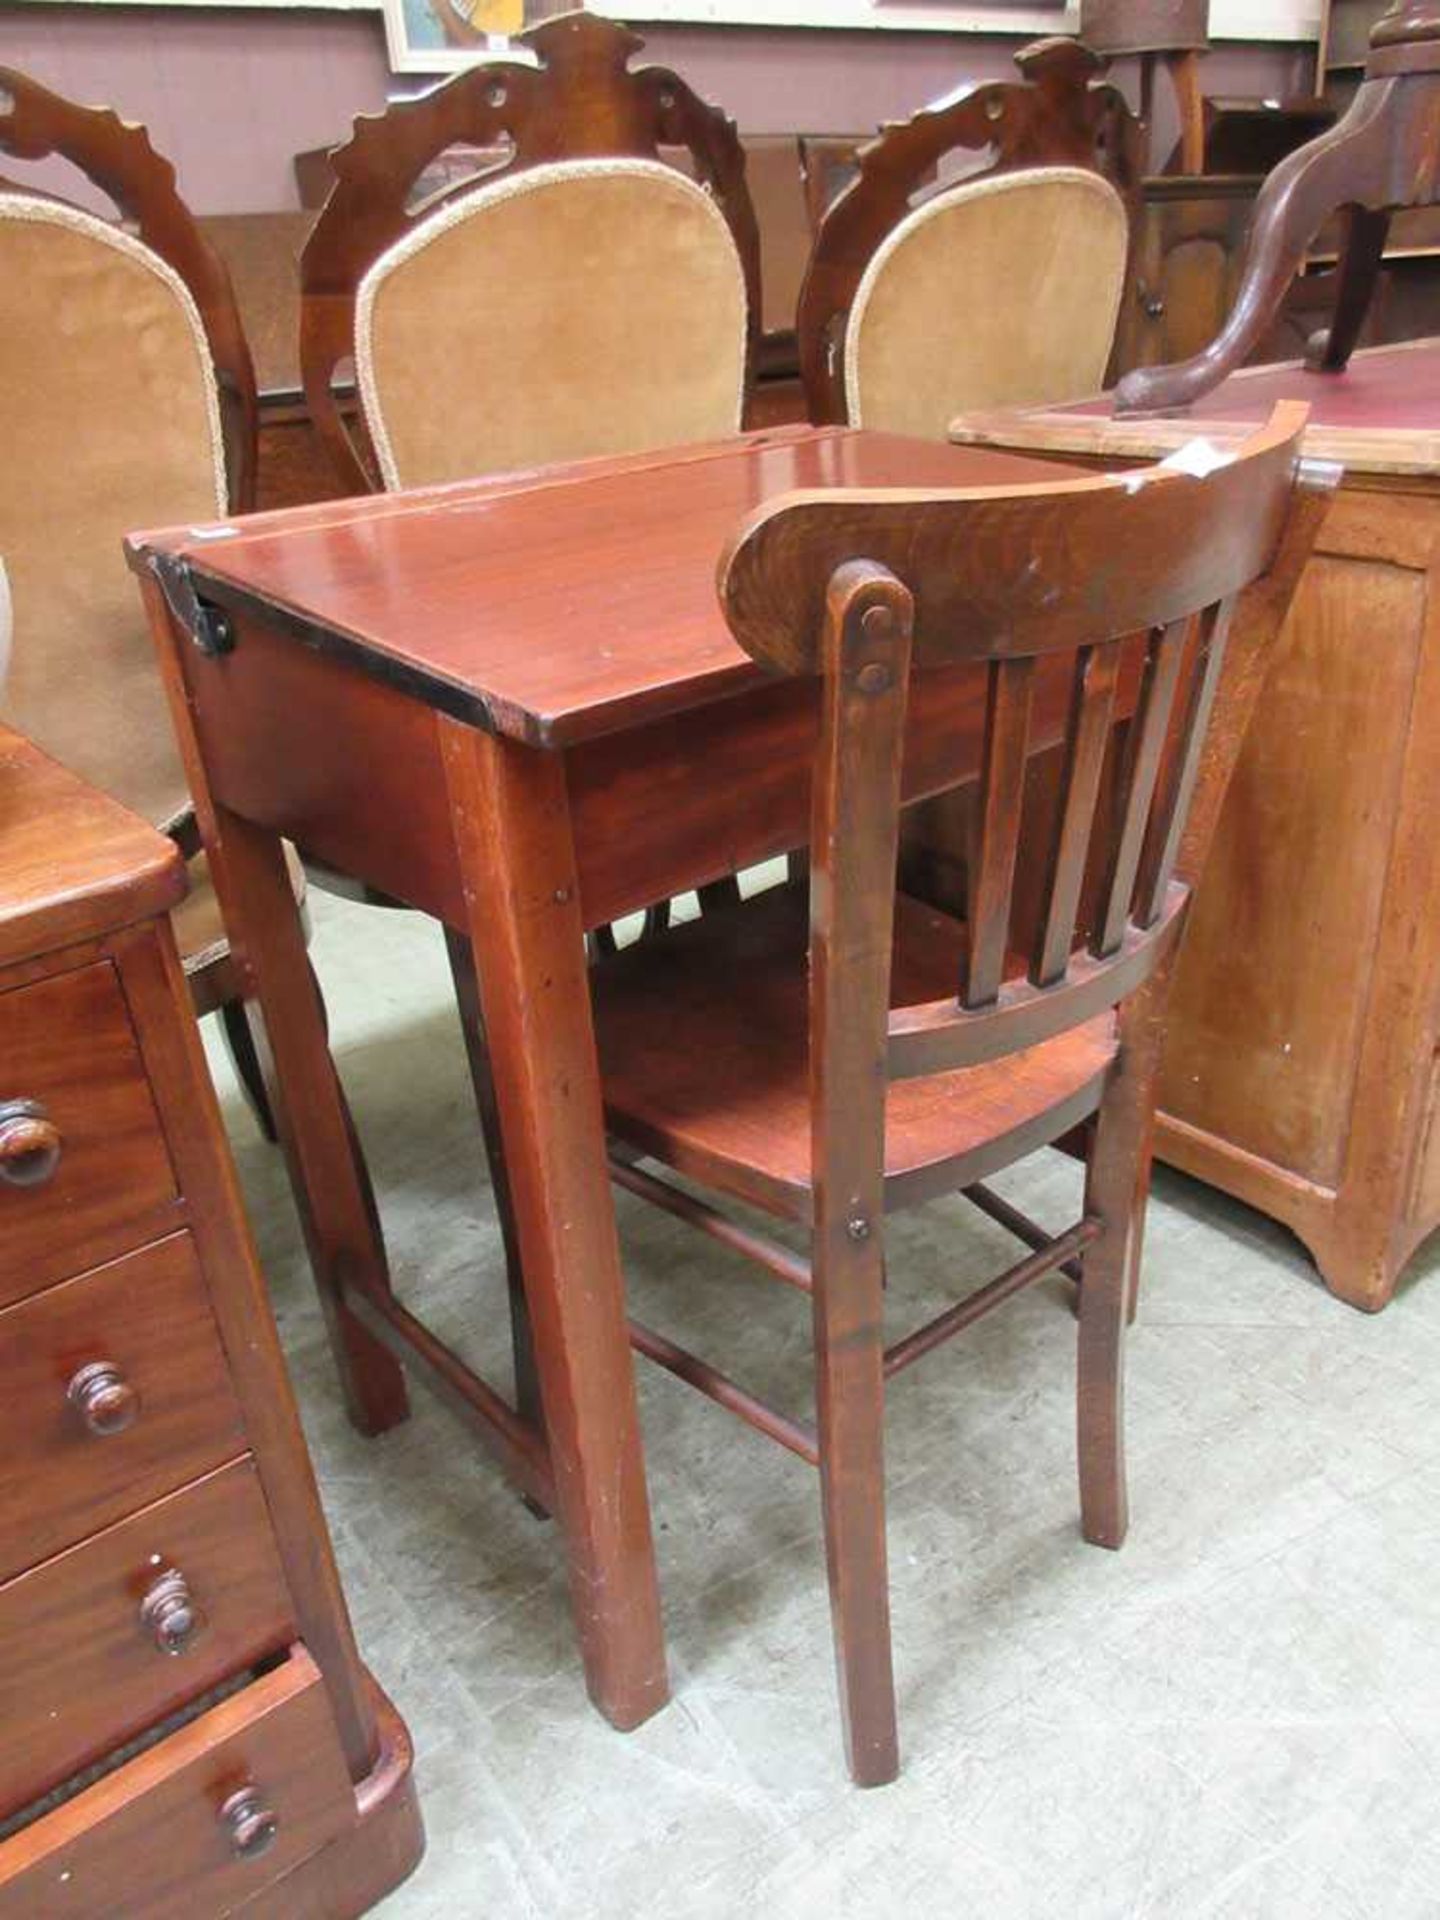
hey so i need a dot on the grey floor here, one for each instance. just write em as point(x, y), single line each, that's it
point(1237, 1715)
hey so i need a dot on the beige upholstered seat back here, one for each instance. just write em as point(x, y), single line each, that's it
point(109, 421)
point(586, 307)
point(5, 620)
point(1003, 292)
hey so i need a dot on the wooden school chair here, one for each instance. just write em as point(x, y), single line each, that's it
point(832, 1054)
point(578, 296)
point(129, 400)
point(1000, 290)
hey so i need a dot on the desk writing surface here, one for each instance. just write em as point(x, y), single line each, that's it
point(553, 606)
point(1380, 416)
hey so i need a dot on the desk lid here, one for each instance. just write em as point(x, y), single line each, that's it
point(554, 605)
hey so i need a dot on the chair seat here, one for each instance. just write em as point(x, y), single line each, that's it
point(703, 1045)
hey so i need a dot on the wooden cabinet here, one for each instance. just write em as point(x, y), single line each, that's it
point(188, 1728)
point(1188, 250)
point(1304, 1027)
point(1300, 1068)
point(1189, 253)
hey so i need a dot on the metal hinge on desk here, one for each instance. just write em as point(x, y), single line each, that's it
point(210, 628)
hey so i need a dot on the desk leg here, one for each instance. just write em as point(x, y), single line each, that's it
point(327, 1171)
point(511, 818)
point(472, 1024)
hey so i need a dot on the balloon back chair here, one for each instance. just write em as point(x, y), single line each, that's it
point(925, 299)
point(578, 295)
point(129, 400)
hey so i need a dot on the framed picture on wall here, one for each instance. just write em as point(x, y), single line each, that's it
point(1229, 19)
point(440, 36)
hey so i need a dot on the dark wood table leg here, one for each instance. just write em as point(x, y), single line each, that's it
point(327, 1173)
point(512, 828)
point(472, 1026)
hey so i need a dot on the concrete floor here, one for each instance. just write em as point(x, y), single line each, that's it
point(1237, 1715)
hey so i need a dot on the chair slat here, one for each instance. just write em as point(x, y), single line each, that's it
point(1148, 732)
point(1002, 792)
point(1167, 825)
point(1087, 734)
point(940, 1036)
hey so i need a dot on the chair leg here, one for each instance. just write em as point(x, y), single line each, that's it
point(850, 1406)
point(1116, 1187)
point(467, 994)
point(245, 1058)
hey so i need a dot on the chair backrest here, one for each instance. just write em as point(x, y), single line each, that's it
point(109, 345)
point(6, 618)
point(1123, 584)
point(919, 303)
point(1003, 292)
point(116, 156)
point(579, 297)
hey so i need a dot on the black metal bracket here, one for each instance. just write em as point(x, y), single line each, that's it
point(210, 628)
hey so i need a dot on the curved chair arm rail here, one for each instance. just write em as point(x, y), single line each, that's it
point(1383, 155)
point(580, 98)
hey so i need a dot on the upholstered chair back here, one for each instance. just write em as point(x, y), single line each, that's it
point(112, 422)
point(5, 625)
point(586, 307)
point(1001, 292)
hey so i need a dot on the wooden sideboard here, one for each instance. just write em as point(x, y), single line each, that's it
point(1302, 1069)
point(188, 1730)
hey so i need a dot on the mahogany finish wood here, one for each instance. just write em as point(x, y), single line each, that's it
point(159, 1523)
point(1300, 1074)
point(1383, 155)
point(581, 99)
point(827, 1120)
point(155, 1839)
point(1058, 114)
point(146, 1317)
point(68, 1042)
point(530, 696)
point(607, 683)
point(510, 821)
point(80, 1620)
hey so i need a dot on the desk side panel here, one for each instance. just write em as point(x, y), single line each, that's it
point(343, 765)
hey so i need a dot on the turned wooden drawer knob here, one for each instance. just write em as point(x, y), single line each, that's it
point(29, 1144)
point(170, 1615)
point(103, 1398)
point(250, 1825)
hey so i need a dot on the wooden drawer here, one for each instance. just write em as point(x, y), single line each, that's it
point(67, 1043)
point(147, 1317)
point(112, 1636)
point(149, 1842)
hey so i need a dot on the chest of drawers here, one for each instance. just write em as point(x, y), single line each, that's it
point(187, 1726)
